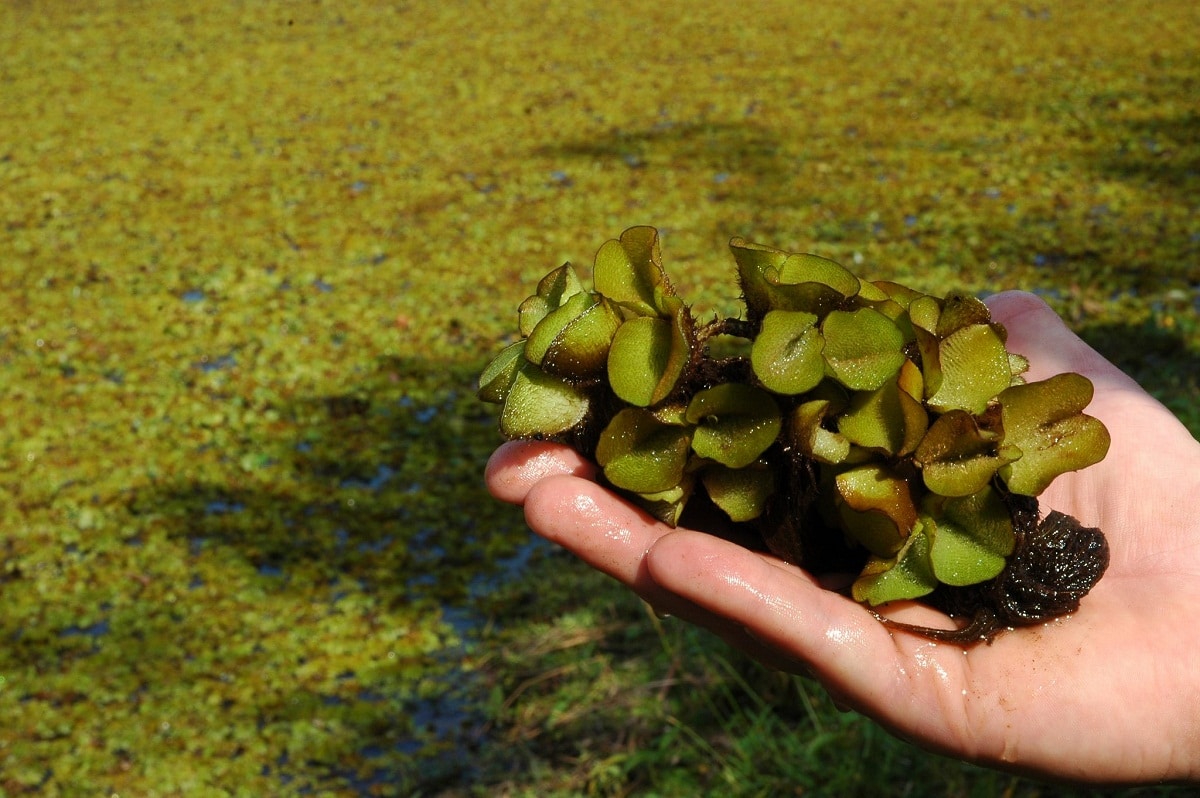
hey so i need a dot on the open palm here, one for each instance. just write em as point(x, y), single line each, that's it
point(1110, 694)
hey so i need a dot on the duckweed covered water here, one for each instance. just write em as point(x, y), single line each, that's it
point(252, 258)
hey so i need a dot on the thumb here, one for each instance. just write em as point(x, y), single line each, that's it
point(1037, 332)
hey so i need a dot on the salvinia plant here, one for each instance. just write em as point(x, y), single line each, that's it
point(842, 424)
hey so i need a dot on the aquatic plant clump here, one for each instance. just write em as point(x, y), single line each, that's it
point(843, 425)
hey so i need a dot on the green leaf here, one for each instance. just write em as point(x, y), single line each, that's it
point(900, 294)
point(1044, 420)
point(580, 350)
point(647, 357)
point(736, 423)
point(552, 292)
point(958, 559)
point(883, 510)
point(741, 492)
point(803, 268)
point(1018, 365)
point(668, 505)
point(875, 296)
point(958, 457)
point(923, 313)
point(629, 271)
point(887, 419)
point(539, 404)
point(908, 575)
point(863, 348)
point(753, 262)
point(807, 433)
point(786, 355)
point(974, 369)
point(497, 378)
point(640, 453)
point(803, 283)
point(552, 324)
point(972, 538)
point(911, 381)
point(959, 311)
point(772, 279)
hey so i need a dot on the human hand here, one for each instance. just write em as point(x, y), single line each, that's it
point(1110, 694)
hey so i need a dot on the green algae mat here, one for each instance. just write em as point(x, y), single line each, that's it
point(253, 256)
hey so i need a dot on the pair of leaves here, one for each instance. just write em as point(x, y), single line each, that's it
point(963, 357)
point(568, 334)
point(729, 425)
point(1044, 420)
point(861, 349)
point(651, 351)
point(573, 340)
point(629, 271)
point(649, 356)
point(535, 403)
point(890, 419)
point(959, 456)
point(961, 541)
point(775, 280)
point(1038, 433)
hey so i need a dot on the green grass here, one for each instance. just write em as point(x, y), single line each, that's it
point(252, 257)
point(594, 695)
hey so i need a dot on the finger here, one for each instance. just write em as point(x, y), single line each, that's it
point(1146, 438)
point(1037, 332)
point(668, 605)
point(517, 465)
point(779, 606)
point(613, 536)
point(607, 533)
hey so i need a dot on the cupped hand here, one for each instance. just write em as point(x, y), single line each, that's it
point(1110, 694)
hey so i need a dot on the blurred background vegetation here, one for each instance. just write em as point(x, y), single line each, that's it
point(253, 256)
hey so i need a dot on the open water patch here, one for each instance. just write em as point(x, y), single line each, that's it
point(451, 721)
